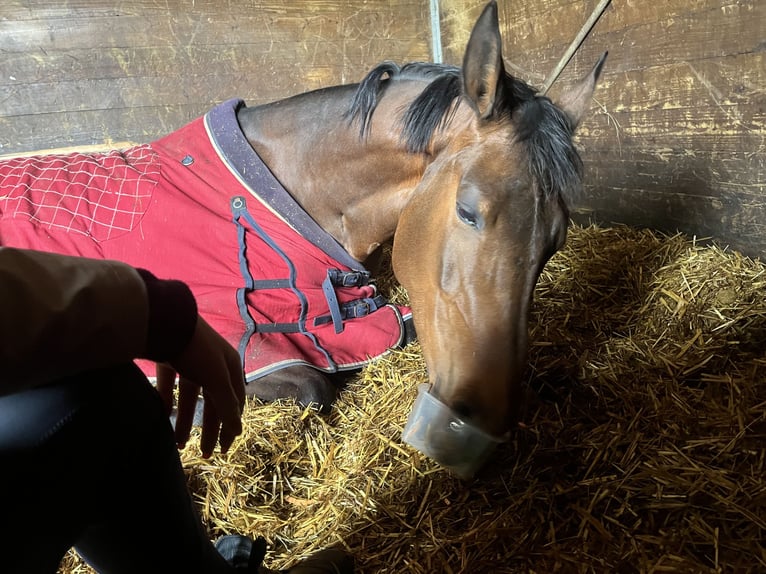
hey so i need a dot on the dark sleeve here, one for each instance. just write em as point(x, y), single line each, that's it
point(61, 315)
point(172, 317)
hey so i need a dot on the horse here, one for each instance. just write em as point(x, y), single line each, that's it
point(464, 171)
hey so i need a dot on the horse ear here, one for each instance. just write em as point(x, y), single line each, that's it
point(483, 62)
point(576, 100)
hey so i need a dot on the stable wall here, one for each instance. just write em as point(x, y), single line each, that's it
point(92, 71)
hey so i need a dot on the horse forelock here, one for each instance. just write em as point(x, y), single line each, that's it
point(543, 129)
point(546, 132)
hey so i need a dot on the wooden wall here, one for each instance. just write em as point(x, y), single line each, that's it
point(676, 139)
point(92, 71)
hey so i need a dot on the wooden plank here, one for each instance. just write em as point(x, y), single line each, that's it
point(457, 18)
point(637, 35)
point(726, 82)
point(553, 22)
point(720, 195)
point(213, 76)
point(179, 27)
point(92, 127)
point(93, 61)
point(736, 223)
point(681, 173)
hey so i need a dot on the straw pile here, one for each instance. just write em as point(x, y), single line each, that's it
point(642, 446)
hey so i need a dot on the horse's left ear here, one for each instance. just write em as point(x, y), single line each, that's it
point(483, 62)
point(576, 100)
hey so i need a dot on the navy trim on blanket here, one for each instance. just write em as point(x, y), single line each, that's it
point(237, 152)
point(239, 210)
point(353, 309)
point(237, 205)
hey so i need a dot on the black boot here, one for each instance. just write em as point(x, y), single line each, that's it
point(242, 552)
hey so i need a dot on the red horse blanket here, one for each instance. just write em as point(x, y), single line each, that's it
point(200, 205)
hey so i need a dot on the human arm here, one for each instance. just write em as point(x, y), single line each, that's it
point(62, 315)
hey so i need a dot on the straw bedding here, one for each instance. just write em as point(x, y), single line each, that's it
point(642, 445)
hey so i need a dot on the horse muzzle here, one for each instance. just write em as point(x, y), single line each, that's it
point(453, 441)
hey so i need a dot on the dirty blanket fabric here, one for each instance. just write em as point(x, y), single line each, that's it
point(200, 205)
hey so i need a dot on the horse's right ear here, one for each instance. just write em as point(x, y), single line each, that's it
point(483, 62)
point(576, 100)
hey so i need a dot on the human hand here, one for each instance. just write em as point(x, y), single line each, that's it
point(208, 362)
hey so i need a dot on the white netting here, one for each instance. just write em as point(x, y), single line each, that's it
point(100, 195)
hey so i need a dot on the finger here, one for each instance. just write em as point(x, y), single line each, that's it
point(228, 414)
point(228, 395)
point(211, 425)
point(166, 381)
point(188, 394)
point(227, 437)
point(222, 415)
point(237, 378)
point(230, 430)
point(232, 427)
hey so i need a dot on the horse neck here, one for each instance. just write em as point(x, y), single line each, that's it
point(353, 187)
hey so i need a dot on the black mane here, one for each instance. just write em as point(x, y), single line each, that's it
point(544, 130)
point(429, 111)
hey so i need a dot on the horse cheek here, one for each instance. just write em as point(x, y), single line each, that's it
point(413, 251)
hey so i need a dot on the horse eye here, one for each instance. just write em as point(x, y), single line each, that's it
point(467, 216)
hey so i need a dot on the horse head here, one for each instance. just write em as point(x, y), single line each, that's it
point(472, 174)
point(470, 244)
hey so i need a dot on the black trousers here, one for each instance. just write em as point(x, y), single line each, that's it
point(90, 462)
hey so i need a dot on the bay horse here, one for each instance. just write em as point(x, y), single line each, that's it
point(466, 170)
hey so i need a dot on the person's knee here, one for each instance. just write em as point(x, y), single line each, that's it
point(62, 451)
